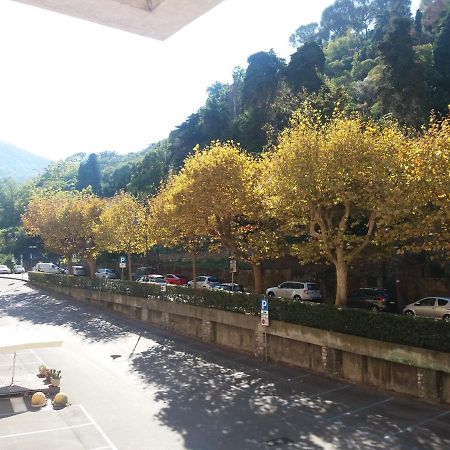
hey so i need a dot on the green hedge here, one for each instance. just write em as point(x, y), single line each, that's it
point(416, 332)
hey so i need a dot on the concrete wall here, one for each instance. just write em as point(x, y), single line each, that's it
point(409, 370)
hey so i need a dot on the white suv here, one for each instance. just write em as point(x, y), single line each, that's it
point(296, 290)
point(205, 282)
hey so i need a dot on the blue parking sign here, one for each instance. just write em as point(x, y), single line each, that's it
point(264, 304)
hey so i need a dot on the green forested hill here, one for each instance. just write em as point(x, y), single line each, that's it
point(19, 164)
point(374, 57)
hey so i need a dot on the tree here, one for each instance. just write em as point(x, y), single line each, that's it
point(441, 60)
point(65, 222)
point(338, 18)
point(335, 181)
point(216, 194)
point(13, 199)
point(306, 67)
point(90, 208)
point(173, 222)
point(261, 80)
point(89, 175)
point(426, 194)
point(123, 227)
point(401, 89)
point(304, 34)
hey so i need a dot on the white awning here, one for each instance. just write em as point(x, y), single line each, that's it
point(12, 340)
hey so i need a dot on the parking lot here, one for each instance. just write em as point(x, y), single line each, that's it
point(133, 386)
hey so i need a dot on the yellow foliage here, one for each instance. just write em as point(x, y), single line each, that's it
point(123, 226)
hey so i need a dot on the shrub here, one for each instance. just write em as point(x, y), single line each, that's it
point(416, 332)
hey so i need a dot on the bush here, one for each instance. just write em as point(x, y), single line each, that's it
point(416, 332)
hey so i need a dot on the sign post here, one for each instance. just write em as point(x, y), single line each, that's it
point(233, 268)
point(122, 265)
point(265, 321)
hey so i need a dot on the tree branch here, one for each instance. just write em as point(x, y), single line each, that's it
point(367, 237)
point(316, 218)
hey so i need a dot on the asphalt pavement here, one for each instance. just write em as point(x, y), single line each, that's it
point(136, 386)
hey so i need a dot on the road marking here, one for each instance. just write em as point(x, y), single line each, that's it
point(348, 413)
point(330, 391)
point(49, 430)
point(105, 437)
point(36, 356)
point(445, 413)
point(21, 363)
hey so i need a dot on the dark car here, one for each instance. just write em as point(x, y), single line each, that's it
point(373, 299)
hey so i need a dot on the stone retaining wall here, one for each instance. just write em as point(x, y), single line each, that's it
point(409, 370)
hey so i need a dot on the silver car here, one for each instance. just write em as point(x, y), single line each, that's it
point(4, 269)
point(432, 307)
point(205, 282)
point(296, 290)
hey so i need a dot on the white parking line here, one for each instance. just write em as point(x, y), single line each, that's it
point(418, 424)
point(36, 356)
point(105, 437)
point(49, 430)
point(348, 413)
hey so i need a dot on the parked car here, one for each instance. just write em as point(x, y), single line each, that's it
point(152, 279)
point(47, 267)
point(141, 271)
point(296, 290)
point(106, 273)
point(176, 279)
point(79, 271)
point(432, 307)
point(229, 287)
point(205, 282)
point(4, 269)
point(19, 269)
point(373, 299)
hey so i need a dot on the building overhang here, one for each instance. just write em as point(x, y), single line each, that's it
point(156, 19)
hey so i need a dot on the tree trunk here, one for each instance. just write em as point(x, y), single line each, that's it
point(194, 268)
point(69, 264)
point(92, 266)
point(258, 276)
point(129, 266)
point(341, 281)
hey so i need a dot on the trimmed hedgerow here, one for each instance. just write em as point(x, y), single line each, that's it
point(416, 332)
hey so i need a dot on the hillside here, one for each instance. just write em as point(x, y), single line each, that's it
point(19, 164)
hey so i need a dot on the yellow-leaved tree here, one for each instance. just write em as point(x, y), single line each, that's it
point(425, 225)
point(123, 227)
point(65, 222)
point(217, 195)
point(336, 180)
point(173, 223)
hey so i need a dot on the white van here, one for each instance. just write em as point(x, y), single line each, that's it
point(47, 268)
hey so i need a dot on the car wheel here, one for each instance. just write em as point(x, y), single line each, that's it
point(409, 313)
point(270, 294)
point(297, 298)
point(374, 309)
point(446, 318)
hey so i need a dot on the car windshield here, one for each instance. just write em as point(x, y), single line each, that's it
point(312, 287)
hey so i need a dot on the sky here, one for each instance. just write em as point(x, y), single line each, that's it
point(68, 85)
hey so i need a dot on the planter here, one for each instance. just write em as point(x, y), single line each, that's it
point(55, 381)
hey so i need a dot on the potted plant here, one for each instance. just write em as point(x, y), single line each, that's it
point(55, 377)
point(42, 370)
